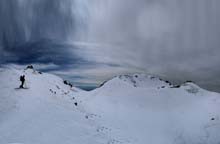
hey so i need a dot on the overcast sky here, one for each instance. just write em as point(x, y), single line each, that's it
point(89, 41)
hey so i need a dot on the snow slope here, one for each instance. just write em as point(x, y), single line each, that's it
point(148, 110)
point(130, 109)
point(45, 113)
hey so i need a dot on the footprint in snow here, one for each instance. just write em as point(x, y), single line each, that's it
point(114, 141)
point(103, 129)
point(57, 87)
point(92, 116)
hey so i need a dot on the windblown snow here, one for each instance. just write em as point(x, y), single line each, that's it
point(129, 109)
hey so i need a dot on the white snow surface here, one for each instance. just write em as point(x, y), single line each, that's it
point(129, 109)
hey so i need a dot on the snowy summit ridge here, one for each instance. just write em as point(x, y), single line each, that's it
point(146, 81)
point(128, 109)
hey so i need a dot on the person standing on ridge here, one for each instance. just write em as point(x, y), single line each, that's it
point(22, 79)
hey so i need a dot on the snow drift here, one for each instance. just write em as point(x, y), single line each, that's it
point(129, 109)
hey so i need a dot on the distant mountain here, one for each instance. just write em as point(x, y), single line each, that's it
point(128, 109)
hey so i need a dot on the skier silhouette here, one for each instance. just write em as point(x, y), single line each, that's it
point(22, 79)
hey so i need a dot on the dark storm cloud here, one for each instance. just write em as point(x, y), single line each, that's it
point(33, 31)
point(43, 51)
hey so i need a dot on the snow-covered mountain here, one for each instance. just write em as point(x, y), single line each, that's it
point(46, 113)
point(129, 109)
point(147, 109)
